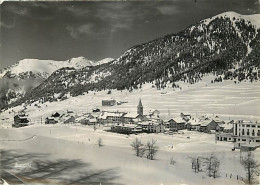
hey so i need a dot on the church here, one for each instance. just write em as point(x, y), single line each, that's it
point(135, 117)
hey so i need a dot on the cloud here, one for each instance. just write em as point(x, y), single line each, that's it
point(17, 10)
point(77, 31)
point(167, 10)
point(7, 26)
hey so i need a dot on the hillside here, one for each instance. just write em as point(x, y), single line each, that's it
point(226, 46)
point(27, 74)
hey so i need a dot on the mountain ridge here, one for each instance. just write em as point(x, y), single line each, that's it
point(226, 45)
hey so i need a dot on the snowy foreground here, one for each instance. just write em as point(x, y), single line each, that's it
point(70, 154)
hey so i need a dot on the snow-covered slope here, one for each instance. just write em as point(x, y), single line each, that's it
point(26, 74)
point(254, 19)
point(104, 61)
point(45, 67)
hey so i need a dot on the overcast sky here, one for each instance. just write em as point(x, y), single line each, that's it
point(96, 30)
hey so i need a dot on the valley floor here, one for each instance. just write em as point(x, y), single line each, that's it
point(69, 154)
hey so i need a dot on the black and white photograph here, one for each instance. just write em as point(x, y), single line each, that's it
point(130, 92)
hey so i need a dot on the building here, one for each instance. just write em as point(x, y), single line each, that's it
point(132, 118)
point(70, 119)
point(95, 110)
point(245, 135)
point(55, 115)
point(20, 120)
point(92, 121)
point(126, 128)
point(156, 128)
point(50, 120)
point(154, 113)
point(193, 124)
point(185, 117)
point(108, 102)
point(110, 117)
point(176, 124)
point(247, 131)
point(208, 125)
point(227, 127)
point(140, 109)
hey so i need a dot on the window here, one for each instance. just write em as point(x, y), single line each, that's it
point(243, 125)
point(247, 125)
point(253, 126)
point(243, 139)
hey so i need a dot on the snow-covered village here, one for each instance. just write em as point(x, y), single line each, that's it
point(179, 106)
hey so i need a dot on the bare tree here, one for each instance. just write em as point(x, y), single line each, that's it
point(152, 149)
point(212, 164)
point(251, 166)
point(100, 142)
point(172, 161)
point(196, 163)
point(138, 147)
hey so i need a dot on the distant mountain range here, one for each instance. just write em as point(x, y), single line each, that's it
point(27, 74)
point(226, 45)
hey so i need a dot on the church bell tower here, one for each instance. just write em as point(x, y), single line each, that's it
point(140, 109)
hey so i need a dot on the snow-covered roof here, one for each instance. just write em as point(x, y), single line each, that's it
point(178, 120)
point(205, 122)
point(145, 123)
point(104, 115)
point(93, 120)
point(131, 115)
point(227, 126)
point(194, 122)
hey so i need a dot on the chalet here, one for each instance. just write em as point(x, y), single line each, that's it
point(20, 120)
point(218, 120)
point(82, 120)
point(96, 110)
point(126, 128)
point(55, 115)
point(154, 114)
point(207, 125)
point(50, 120)
point(70, 119)
point(145, 125)
point(132, 117)
point(185, 117)
point(110, 117)
point(226, 128)
point(156, 128)
point(70, 111)
point(176, 124)
point(108, 102)
point(193, 124)
point(92, 121)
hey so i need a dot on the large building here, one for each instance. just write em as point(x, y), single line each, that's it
point(108, 102)
point(246, 134)
point(247, 131)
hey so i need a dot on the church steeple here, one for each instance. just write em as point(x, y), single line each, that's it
point(140, 108)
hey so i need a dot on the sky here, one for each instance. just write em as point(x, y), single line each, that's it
point(98, 29)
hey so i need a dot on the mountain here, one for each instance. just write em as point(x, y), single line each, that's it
point(226, 45)
point(27, 74)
